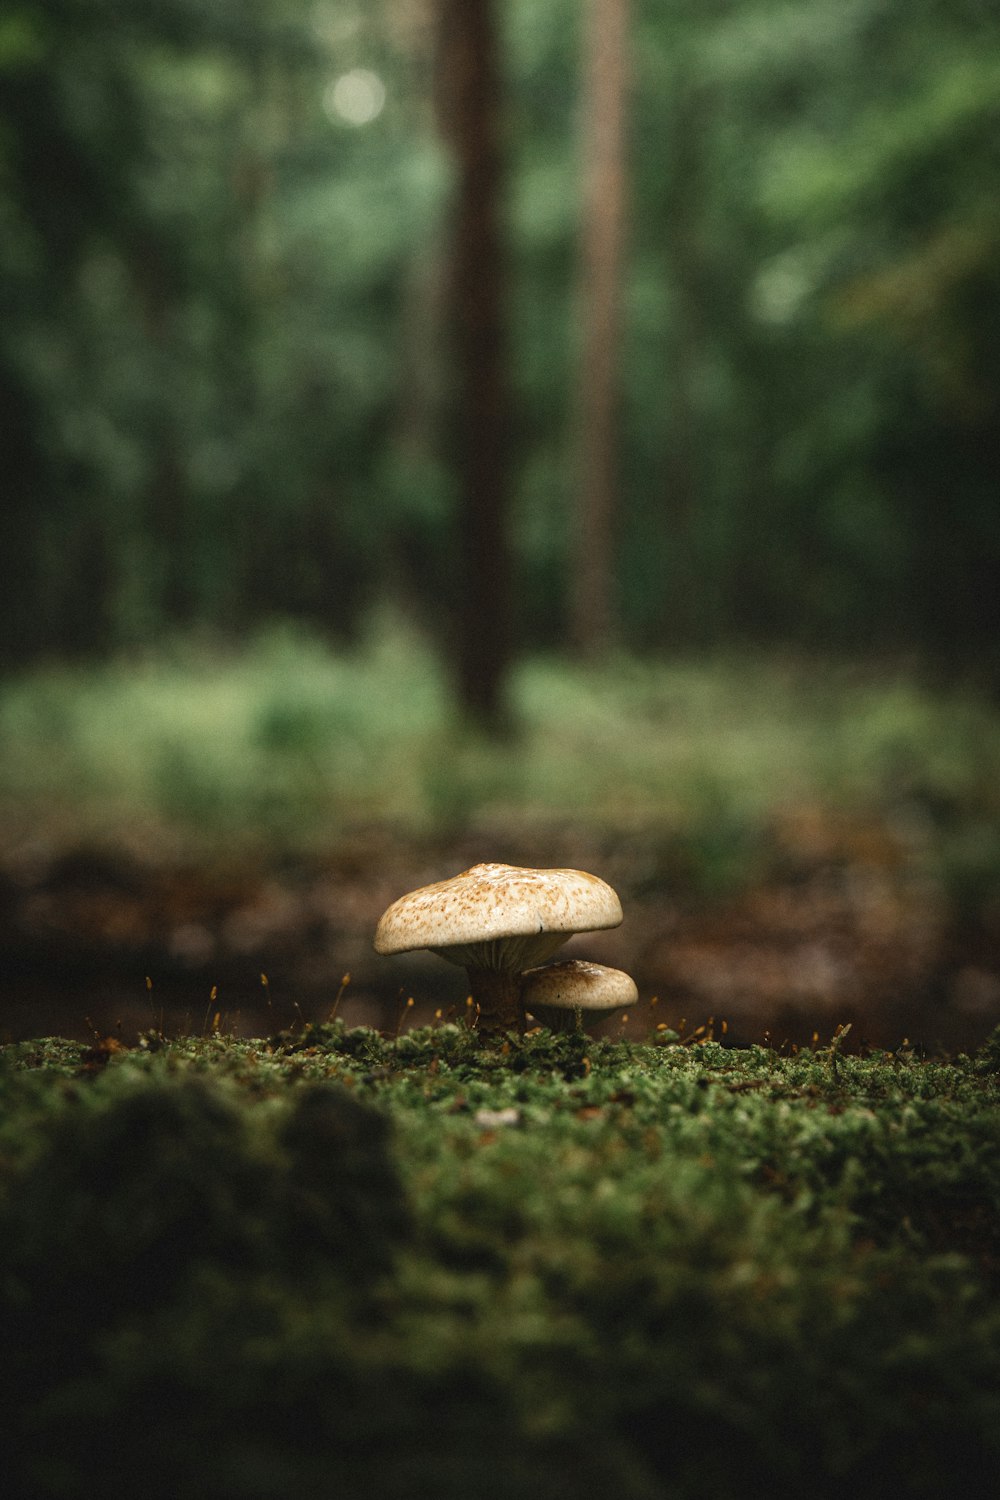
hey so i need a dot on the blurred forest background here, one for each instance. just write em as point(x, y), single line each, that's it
point(616, 367)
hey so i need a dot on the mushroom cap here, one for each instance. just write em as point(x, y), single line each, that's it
point(498, 916)
point(573, 984)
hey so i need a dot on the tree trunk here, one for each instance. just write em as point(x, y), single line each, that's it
point(470, 110)
point(684, 618)
point(605, 65)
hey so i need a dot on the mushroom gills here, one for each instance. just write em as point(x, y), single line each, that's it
point(507, 953)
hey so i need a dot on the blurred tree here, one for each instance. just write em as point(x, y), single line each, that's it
point(223, 293)
point(471, 110)
point(593, 576)
point(888, 284)
point(202, 377)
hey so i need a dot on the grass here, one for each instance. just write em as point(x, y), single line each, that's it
point(286, 744)
point(338, 1262)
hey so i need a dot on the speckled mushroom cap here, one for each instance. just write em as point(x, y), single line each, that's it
point(573, 984)
point(498, 917)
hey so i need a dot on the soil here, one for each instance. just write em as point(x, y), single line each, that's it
point(831, 920)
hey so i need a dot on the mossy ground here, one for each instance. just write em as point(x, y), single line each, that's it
point(337, 1263)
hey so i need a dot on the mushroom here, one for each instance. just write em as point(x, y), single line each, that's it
point(496, 921)
point(557, 994)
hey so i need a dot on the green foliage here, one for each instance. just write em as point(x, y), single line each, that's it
point(221, 363)
point(286, 744)
point(204, 279)
point(671, 1260)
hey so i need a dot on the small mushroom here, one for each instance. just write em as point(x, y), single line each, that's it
point(558, 994)
point(496, 921)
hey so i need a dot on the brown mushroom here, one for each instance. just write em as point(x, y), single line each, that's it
point(496, 921)
point(559, 994)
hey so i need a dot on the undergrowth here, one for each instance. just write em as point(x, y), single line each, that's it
point(286, 743)
point(338, 1262)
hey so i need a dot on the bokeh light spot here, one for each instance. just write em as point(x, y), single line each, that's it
point(356, 98)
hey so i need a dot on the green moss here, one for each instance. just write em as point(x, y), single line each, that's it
point(341, 1263)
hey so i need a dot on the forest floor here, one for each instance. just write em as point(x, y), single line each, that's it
point(840, 921)
point(729, 1236)
point(340, 1263)
point(206, 840)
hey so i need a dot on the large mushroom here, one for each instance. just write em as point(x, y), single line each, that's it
point(496, 921)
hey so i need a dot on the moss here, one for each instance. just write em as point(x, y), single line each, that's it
point(339, 1262)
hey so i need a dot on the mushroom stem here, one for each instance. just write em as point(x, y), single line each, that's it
point(559, 1019)
point(497, 992)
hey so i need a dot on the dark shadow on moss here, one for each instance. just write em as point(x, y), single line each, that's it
point(681, 1273)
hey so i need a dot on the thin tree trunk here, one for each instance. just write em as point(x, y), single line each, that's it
point(684, 499)
point(593, 606)
point(470, 105)
point(168, 500)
